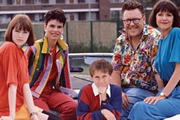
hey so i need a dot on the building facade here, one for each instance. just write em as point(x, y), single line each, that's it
point(75, 10)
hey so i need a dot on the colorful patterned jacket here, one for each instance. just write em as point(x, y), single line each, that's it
point(40, 65)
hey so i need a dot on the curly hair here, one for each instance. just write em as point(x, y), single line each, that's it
point(55, 14)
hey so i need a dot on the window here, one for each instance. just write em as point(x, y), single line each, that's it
point(10, 2)
point(117, 1)
point(93, 16)
point(81, 1)
point(90, 1)
point(31, 16)
point(72, 17)
point(71, 1)
point(4, 19)
point(60, 1)
point(38, 17)
point(115, 15)
point(82, 16)
point(29, 1)
point(44, 1)
point(2, 35)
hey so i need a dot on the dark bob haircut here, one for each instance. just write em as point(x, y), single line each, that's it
point(164, 5)
point(20, 22)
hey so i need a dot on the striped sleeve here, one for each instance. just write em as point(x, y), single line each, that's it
point(65, 79)
point(84, 111)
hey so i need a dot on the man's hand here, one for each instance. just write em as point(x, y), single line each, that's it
point(108, 114)
point(125, 101)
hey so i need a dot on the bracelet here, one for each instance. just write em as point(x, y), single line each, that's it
point(163, 95)
point(33, 113)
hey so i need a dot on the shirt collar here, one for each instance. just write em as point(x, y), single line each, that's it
point(61, 45)
point(95, 90)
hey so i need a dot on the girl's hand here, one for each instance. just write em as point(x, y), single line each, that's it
point(153, 100)
point(6, 118)
point(35, 117)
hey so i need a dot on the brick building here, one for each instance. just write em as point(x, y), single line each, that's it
point(75, 10)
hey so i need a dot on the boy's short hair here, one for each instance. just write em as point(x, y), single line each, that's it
point(101, 65)
point(55, 14)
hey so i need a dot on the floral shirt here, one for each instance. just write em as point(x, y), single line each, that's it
point(135, 66)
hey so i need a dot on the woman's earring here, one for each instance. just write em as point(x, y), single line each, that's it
point(62, 36)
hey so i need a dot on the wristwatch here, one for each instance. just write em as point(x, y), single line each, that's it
point(163, 95)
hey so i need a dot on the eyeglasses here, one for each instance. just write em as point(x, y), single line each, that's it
point(134, 20)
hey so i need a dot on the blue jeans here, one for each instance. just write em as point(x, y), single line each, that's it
point(135, 95)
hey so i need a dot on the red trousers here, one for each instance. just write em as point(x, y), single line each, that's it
point(52, 99)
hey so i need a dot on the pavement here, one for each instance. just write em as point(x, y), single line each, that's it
point(78, 81)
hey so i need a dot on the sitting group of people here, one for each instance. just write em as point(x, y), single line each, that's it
point(146, 62)
point(141, 83)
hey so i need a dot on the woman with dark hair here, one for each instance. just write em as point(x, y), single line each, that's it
point(49, 68)
point(166, 103)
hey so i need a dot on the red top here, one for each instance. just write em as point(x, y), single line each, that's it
point(54, 71)
point(13, 70)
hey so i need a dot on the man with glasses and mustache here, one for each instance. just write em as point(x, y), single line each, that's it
point(133, 57)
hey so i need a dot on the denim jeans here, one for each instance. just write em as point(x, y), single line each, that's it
point(135, 95)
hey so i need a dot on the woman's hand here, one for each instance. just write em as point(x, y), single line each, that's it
point(153, 100)
point(6, 118)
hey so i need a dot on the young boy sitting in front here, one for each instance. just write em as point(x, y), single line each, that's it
point(100, 100)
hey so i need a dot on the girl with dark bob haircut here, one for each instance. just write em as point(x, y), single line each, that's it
point(16, 99)
point(21, 22)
